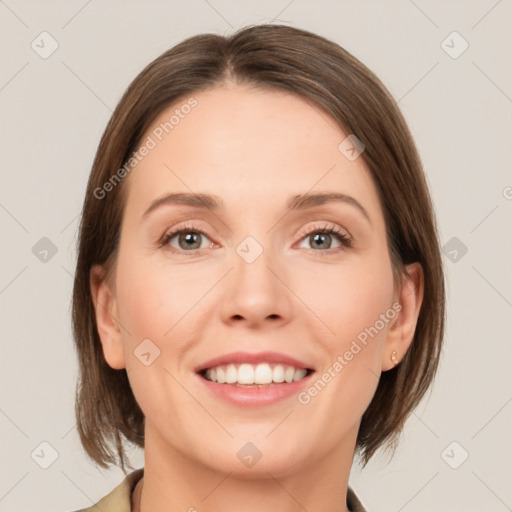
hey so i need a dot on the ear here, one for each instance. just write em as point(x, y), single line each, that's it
point(401, 332)
point(105, 308)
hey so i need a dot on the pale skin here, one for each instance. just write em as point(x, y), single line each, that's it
point(253, 149)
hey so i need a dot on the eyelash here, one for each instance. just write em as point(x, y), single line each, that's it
point(344, 239)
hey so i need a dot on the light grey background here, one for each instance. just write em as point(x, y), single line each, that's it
point(53, 111)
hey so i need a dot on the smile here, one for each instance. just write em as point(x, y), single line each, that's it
point(254, 374)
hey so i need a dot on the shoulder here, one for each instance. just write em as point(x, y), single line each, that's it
point(119, 499)
point(353, 503)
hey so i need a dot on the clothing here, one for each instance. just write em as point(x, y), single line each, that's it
point(120, 499)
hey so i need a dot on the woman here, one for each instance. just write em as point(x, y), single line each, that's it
point(259, 293)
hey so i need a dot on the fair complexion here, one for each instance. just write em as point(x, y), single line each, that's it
point(307, 296)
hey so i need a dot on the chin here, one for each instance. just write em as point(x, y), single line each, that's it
point(255, 460)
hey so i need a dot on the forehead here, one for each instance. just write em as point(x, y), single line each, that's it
point(244, 143)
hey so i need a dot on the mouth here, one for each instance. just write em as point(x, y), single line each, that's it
point(261, 375)
point(248, 379)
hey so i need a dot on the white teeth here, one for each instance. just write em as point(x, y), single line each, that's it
point(278, 373)
point(231, 374)
point(289, 373)
point(221, 375)
point(300, 373)
point(247, 374)
point(263, 374)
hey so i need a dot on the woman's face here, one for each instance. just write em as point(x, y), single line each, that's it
point(256, 273)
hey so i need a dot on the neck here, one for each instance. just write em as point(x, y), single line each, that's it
point(175, 482)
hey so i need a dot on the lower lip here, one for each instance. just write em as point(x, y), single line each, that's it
point(251, 397)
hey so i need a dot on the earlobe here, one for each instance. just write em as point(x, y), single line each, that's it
point(401, 333)
point(105, 308)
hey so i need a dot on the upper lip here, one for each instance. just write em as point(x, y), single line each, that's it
point(252, 358)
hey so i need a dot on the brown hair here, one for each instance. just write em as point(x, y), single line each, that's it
point(321, 72)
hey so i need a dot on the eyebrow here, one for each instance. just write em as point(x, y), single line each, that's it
point(214, 203)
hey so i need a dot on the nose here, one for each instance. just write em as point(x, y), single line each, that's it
point(255, 293)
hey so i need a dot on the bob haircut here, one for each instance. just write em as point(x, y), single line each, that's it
point(324, 74)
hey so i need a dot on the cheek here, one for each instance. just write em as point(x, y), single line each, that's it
point(349, 297)
point(153, 297)
point(156, 302)
point(352, 300)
